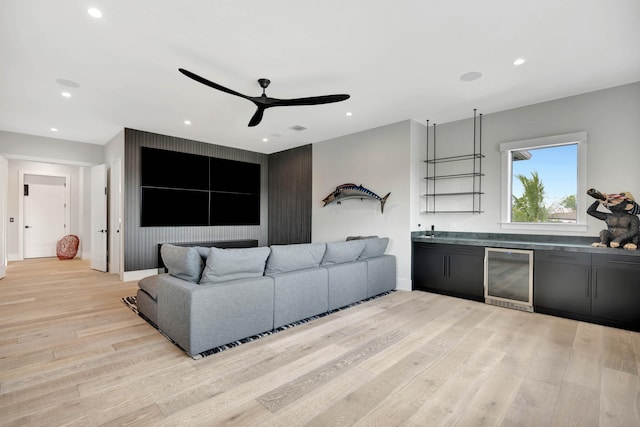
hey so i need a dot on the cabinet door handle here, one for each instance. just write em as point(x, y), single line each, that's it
point(444, 266)
point(613, 261)
point(448, 266)
point(572, 258)
point(595, 283)
point(588, 282)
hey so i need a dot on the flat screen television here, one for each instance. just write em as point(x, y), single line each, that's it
point(171, 169)
point(181, 189)
point(162, 207)
point(245, 211)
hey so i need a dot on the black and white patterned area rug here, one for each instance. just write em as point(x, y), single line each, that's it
point(132, 304)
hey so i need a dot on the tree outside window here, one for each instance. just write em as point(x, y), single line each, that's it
point(544, 177)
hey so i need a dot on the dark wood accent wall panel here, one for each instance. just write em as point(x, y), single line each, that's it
point(141, 243)
point(290, 174)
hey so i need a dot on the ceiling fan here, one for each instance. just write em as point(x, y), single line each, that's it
point(263, 101)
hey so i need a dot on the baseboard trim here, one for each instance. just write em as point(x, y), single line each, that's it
point(403, 284)
point(128, 276)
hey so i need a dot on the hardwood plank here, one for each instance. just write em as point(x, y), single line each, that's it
point(585, 364)
point(287, 393)
point(619, 398)
point(533, 405)
point(577, 406)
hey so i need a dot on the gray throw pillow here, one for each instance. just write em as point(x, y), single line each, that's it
point(341, 252)
point(203, 251)
point(374, 247)
point(231, 264)
point(285, 258)
point(182, 262)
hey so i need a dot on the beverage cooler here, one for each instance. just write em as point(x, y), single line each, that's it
point(508, 278)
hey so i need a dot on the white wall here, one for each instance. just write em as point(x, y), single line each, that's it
point(377, 159)
point(49, 150)
point(611, 118)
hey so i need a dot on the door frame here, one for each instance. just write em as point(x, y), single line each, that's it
point(4, 188)
point(115, 259)
point(99, 203)
point(67, 200)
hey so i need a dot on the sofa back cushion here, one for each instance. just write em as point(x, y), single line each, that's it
point(182, 262)
point(341, 252)
point(231, 264)
point(285, 258)
point(373, 246)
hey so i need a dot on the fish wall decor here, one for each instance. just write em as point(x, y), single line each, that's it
point(352, 191)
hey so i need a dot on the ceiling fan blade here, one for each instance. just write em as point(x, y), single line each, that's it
point(210, 83)
point(257, 116)
point(312, 100)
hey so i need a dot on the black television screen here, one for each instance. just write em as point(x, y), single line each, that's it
point(235, 209)
point(233, 176)
point(181, 189)
point(163, 168)
point(162, 207)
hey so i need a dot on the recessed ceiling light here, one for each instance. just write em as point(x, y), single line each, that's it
point(469, 77)
point(67, 83)
point(349, 114)
point(519, 61)
point(54, 129)
point(66, 94)
point(96, 13)
point(265, 139)
point(187, 122)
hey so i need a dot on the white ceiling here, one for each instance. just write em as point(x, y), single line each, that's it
point(397, 59)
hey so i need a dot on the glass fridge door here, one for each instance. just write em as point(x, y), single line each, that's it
point(508, 278)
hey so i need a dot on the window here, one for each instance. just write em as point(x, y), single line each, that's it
point(544, 183)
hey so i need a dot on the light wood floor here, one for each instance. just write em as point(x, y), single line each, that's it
point(72, 354)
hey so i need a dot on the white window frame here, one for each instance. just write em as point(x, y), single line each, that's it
point(506, 150)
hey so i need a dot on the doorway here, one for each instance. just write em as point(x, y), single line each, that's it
point(44, 213)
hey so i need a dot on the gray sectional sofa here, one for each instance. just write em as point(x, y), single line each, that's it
point(211, 297)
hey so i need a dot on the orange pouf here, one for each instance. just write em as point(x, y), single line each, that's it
point(67, 247)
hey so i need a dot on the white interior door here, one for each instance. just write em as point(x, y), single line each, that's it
point(4, 178)
point(44, 214)
point(99, 218)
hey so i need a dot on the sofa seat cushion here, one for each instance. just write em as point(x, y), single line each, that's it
point(230, 264)
point(150, 285)
point(284, 258)
point(347, 283)
point(147, 306)
point(182, 262)
point(341, 252)
point(381, 274)
point(299, 294)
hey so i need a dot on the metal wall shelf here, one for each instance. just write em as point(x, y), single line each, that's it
point(464, 193)
point(471, 197)
point(455, 175)
point(455, 158)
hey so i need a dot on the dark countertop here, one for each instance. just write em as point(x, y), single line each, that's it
point(520, 241)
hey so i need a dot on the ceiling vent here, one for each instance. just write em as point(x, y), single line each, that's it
point(298, 128)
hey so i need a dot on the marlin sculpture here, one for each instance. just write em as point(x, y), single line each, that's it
point(352, 191)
